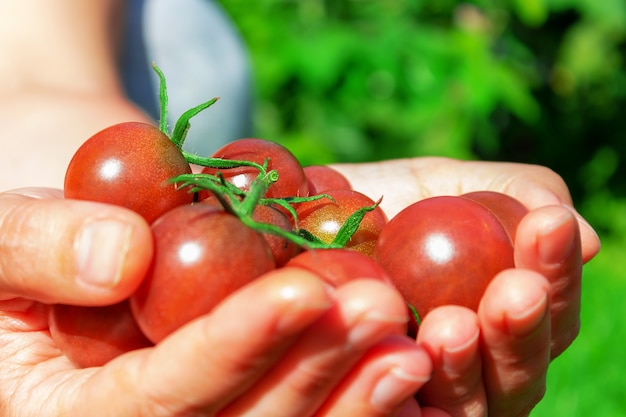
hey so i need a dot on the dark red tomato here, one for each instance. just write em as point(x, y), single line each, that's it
point(323, 177)
point(443, 250)
point(507, 209)
point(92, 336)
point(202, 254)
point(339, 266)
point(291, 182)
point(129, 164)
point(282, 249)
point(324, 217)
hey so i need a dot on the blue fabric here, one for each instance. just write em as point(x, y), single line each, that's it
point(202, 56)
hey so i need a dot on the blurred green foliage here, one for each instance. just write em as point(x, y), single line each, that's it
point(537, 81)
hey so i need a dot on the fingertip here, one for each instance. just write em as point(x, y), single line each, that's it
point(516, 302)
point(548, 238)
point(407, 368)
point(70, 252)
point(448, 325)
point(589, 238)
point(451, 336)
point(301, 295)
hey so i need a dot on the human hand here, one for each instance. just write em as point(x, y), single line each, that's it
point(285, 345)
point(496, 359)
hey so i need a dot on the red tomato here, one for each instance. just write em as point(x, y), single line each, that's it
point(339, 266)
point(202, 254)
point(323, 177)
point(92, 336)
point(507, 209)
point(291, 182)
point(324, 217)
point(129, 164)
point(443, 250)
point(282, 249)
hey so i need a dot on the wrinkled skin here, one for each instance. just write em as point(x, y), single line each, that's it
point(539, 299)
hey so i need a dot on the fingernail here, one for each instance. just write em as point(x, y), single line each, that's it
point(302, 308)
point(526, 319)
point(583, 223)
point(456, 359)
point(394, 388)
point(556, 239)
point(101, 248)
point(369, 326)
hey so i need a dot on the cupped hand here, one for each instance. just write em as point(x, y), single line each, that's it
point(285, 345)
point(494, 361)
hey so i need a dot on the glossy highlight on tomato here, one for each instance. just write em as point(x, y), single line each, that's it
point(202, 254)
point(325, 216)
point(444, 250)
point(292, 181)
point(130, 165)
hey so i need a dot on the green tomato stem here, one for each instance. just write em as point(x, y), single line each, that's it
point(183, 123)
point(163, 100)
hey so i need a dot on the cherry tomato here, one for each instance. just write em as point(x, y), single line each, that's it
point(323, 177)
point(292, 181)
point(202, 254)
point(324, 217)
point(282, 249)
point(339, 266)
point(130, 165)
point(92, 336)
point(443, 250)
point(507, 209)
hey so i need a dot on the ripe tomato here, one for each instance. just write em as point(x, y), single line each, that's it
point(202, 254)
point(282, 249)
point(339, 266)
point(507, 209)
point(323, 177)
point(443, 250)
point(129, 164)
point(92, 336)
point(291, 182)
point(324, 217)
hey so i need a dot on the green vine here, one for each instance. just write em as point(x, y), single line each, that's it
point(242, 203)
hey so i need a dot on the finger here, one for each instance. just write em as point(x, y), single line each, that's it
point(450, 334)
point(214, 359)
point(548, 242)
point(515, 328)
point(64, 251)
point(386, 377)
point(365, 312)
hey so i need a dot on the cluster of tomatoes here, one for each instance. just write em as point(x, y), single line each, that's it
point(252, 207)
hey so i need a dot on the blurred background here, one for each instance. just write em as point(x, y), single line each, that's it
point(535, 81)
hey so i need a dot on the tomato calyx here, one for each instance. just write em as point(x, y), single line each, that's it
point(179, 133)
point(242, 203)
point(237, 201)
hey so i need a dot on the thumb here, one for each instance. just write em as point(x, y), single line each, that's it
point(73, 252)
